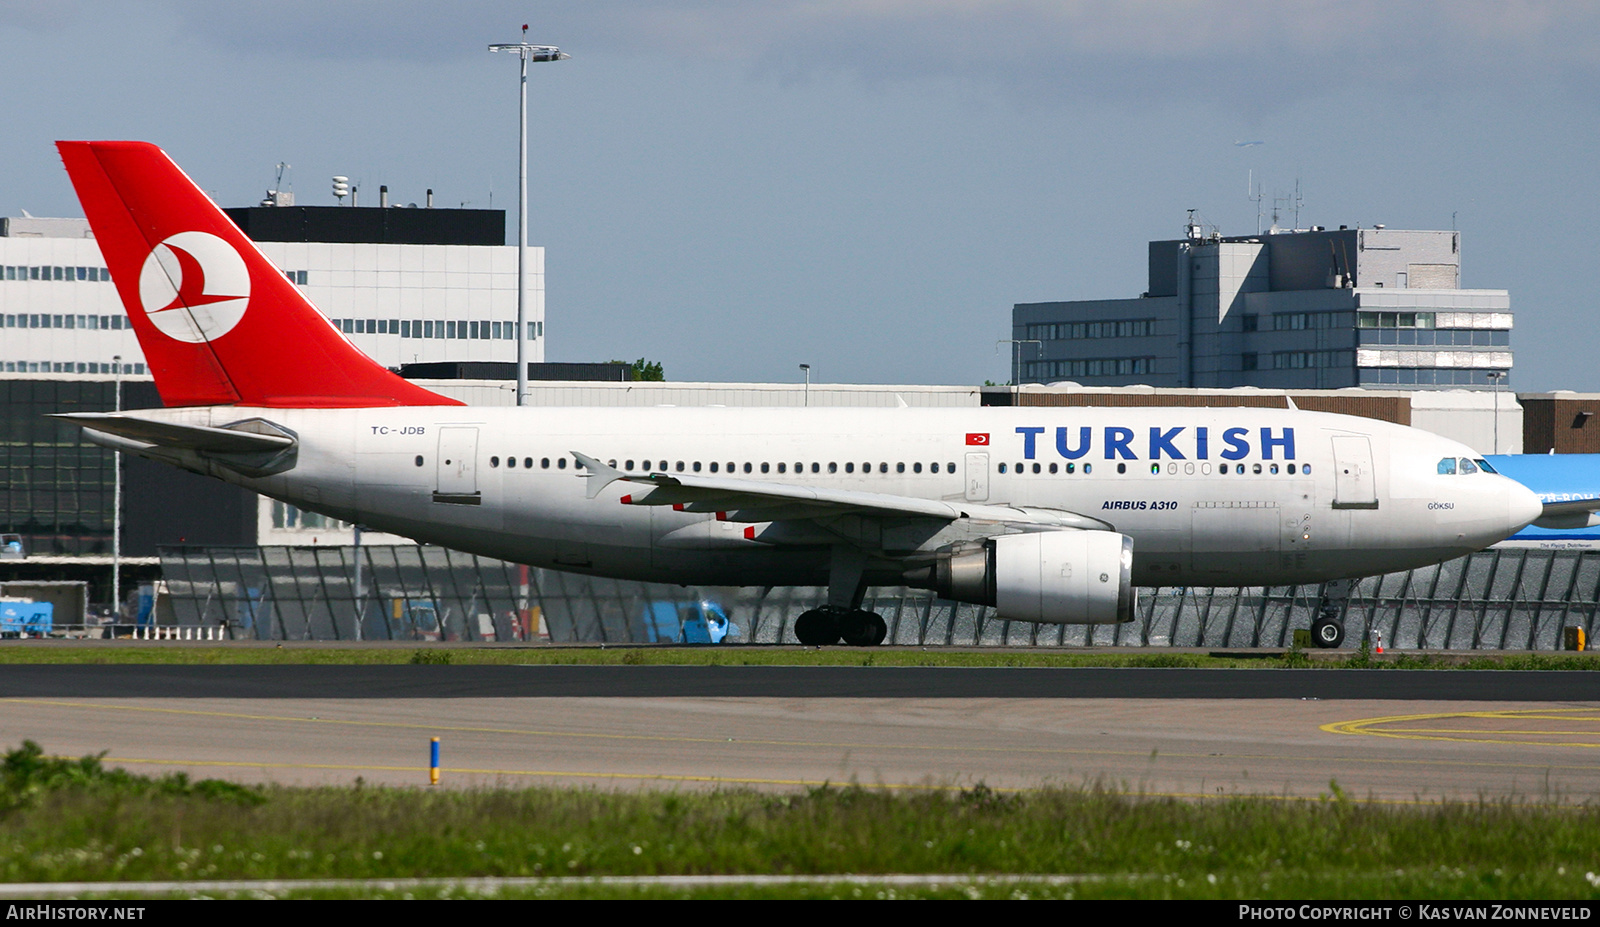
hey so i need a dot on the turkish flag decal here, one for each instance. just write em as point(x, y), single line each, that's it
point(977, 438)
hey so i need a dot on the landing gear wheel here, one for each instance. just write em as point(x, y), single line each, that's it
point(863, 629)
point(817, 628)
point(1327, 632)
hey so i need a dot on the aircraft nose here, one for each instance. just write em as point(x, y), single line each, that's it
point(1524, 506)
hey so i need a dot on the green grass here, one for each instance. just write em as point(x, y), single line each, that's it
point(71, 820)
point(139, 652)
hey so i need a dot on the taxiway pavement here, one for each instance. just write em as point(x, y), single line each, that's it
point(1467, 739)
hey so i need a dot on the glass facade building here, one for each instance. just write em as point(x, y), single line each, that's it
point(55, 487)
point(1500, 599)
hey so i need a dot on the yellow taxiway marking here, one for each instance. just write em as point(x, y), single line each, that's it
point(965, 748)
point(1391, 727)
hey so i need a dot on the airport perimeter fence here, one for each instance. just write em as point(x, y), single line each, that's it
point(1510, 599)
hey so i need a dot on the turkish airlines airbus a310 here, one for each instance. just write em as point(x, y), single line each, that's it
point(1051, 515)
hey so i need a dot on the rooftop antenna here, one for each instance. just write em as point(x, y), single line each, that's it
point(1280, 201)
point(277, 196)
point(1298, 202)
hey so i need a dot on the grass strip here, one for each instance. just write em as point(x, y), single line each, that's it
point(75, 820)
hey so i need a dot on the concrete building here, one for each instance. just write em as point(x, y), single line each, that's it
point(1312, 309)
point(405, 285)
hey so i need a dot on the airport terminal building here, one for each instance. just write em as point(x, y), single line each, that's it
point(1300, 309)
point(406, 286)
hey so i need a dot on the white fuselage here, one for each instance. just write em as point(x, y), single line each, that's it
point(1209, 496)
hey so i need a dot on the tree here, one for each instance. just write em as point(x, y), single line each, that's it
point(644, 370)
point(649, 371)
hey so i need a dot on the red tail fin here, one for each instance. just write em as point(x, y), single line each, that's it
point(219, 325)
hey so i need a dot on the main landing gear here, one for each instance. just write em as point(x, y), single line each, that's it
point(843, 618)
point(831, 624)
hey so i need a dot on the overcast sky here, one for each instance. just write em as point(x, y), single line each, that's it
point(735, 188)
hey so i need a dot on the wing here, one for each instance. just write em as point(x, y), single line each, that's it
point(761, 501)
point(1570, 513)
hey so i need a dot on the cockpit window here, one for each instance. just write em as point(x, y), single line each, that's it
point(1484, 466)
point(1447, 466)
point(1467, 466)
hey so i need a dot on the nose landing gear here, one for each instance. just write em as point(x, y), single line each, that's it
point(1327, 631)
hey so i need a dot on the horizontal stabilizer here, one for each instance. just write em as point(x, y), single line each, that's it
point(203, 438)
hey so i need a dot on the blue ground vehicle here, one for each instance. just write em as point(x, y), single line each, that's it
point(20, 617)
point(694, 623)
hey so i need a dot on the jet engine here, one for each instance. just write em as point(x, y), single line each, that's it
point(1051, 577)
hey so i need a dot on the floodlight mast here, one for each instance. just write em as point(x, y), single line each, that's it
point(527, 53)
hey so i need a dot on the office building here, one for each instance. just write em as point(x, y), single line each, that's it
point(405, 285)
point(1301, 309)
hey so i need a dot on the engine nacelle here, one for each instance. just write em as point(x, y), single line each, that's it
point(1052, 577)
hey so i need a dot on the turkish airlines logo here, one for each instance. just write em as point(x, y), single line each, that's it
point(977, 438)
point(194, 287)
